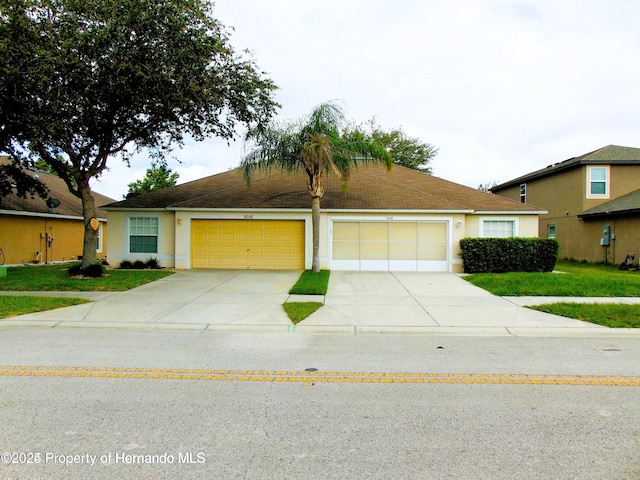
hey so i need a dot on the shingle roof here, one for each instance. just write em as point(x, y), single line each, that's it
point(369, 187)
point(629, 203)
point(609, 155)
point(70, 205)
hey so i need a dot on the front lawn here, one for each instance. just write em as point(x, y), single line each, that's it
point(55, 278)
point(298, 311)
point(576, 280)
point(311, 283)
point(607, 314)
point(11, 306)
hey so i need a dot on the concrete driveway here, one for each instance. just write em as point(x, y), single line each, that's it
point(356, 302)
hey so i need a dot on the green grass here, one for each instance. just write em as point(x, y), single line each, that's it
point(609, 315)
point(311, 283)
point(11, 306)
point(298, 311)
point(55, 278)
point(578, 280)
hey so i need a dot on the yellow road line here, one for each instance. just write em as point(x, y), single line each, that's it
point(316, 377)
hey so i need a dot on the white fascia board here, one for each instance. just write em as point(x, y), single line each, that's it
point(498, 212)
point(19, 213)
point(388, 212)
point(232, 210)
point(129, 209)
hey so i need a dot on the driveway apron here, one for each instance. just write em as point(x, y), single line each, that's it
point(196, 298)
point(416, 300)
point(356, 302)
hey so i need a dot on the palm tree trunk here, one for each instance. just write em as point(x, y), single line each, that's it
point(315, 222)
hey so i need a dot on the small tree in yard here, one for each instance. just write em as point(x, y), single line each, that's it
point(312, 144)
point(82, 81)
point(157, 177)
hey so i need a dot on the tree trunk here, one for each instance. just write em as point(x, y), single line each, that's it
point(315, 222)
point(90, 235)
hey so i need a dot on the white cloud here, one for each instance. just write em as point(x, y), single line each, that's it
point(500, 87)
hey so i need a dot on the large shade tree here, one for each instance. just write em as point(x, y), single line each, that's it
point(83, 81)
point(315, 145)
point(410, 152)
point(157, 177)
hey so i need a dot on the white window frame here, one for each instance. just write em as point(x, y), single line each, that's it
point(523, 193)
point(99, 238)
point(515, 220)
point(549, 227)
point(607, 181)
point(129, 218)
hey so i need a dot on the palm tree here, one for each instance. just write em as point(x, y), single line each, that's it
point(313, 144)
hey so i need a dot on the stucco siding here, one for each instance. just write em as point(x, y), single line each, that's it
point(118, 246)
point(24, 239)
point(585, 245)
point(627, 237)
point(624, 179)
point(174, 242)
point(564, 195)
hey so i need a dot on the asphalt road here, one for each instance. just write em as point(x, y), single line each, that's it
point(202, 405)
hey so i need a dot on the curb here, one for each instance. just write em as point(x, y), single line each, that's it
point(338, 329)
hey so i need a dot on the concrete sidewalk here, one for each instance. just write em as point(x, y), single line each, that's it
point(356, 302)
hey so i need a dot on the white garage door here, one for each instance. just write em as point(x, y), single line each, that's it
point(395, 246)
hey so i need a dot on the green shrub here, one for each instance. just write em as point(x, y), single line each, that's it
point(74, 271)
point(152, 263)
point(515, 254)
point(94, 271)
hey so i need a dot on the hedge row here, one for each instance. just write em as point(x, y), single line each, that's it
point(499, 255)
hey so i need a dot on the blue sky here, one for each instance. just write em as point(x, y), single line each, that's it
point(500, 87)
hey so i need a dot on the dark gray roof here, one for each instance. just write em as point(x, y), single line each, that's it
point(369, 188)
point(609, 155)
point(626, 204)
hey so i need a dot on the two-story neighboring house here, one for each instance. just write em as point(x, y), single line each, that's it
point(593, 199)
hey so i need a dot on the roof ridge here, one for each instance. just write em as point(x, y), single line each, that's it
point(266, 175)
point(585, 155)
point(414, 189)
point(608, 147)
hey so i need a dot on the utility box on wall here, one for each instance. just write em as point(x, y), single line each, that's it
point(605, 241)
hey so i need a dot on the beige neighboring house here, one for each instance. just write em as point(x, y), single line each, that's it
point(593, 199)
point(399, 220)
point(32, 231)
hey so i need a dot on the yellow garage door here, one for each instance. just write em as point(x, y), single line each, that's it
point(254, 244)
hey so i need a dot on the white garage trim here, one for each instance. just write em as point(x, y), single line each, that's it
point(354, 253)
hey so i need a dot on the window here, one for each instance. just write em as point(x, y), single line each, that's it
point(551, 231)
point(498, 228)
point(143, 235)
point(523, 193)
point(597, 182)
point(99, 239)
